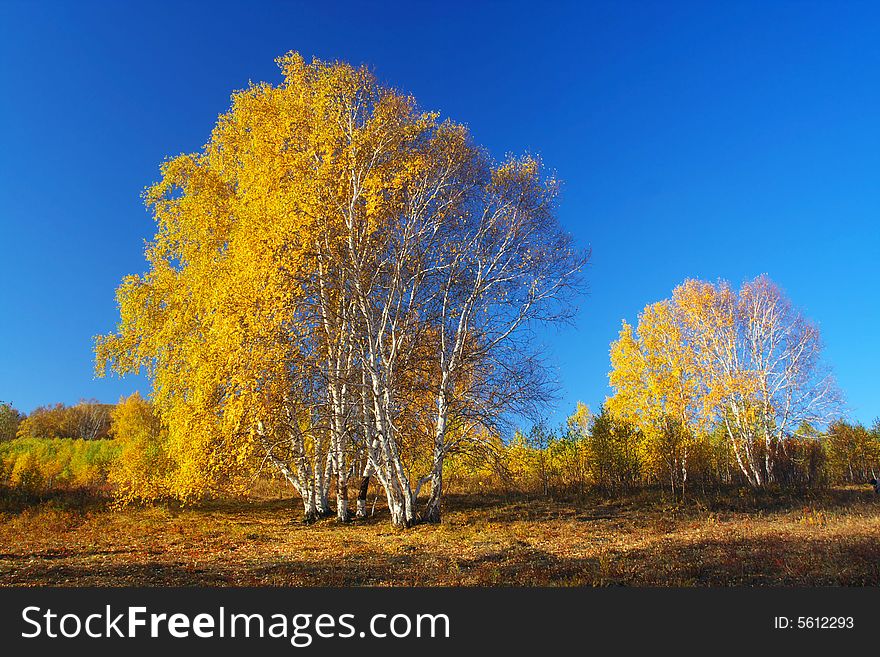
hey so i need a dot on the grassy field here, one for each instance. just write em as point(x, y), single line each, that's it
point(832, 538)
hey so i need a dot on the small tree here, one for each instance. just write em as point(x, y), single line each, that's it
point(613, 453)
point(748, 360)
point(660, 387)
point(143, 469)
point(10, 419)
point(853, 452)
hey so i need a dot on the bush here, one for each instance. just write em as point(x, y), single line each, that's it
point(800, 463)
point(35, 466)
point(142, 469)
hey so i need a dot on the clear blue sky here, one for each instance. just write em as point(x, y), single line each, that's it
point(704, 140)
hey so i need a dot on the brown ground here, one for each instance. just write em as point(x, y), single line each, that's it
point(731, 539)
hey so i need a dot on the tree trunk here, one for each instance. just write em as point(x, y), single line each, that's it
point(362, 496)
point(432, 510)
point(341, 467)
point(769, 453)
point(399, 516)
point(322, 481)
point(684, 475)
point(310, 511)
point(342, 514)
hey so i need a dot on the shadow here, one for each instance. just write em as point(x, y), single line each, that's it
point(696, 504)
point(512, 566)
point(642, 551)
point(853, 560)
point(79, 500)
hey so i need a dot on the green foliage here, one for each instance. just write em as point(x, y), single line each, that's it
point(134, 464)
point(612, 451)
point(35, 466)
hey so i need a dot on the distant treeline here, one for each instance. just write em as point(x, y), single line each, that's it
point(57, 449)
point(602, 454)
point(87, 420)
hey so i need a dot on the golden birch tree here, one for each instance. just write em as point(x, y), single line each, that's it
point(748, 361)
point(333, 263)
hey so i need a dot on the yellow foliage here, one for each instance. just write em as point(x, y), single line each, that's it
point(222, 321)
point(38, 466)
point(142, 470)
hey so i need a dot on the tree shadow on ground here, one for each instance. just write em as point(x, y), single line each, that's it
point(697, 503)
point(507, 566)
point(774, 561)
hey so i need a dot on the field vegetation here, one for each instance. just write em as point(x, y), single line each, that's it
point(728, 538)
point(340, 316)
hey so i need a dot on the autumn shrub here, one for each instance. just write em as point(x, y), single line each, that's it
point(537, 462)
point(143, 468)
point(478, 471)
point(605, 456)
point(35, 466)
point(568, 463)
point(528, 466)
point(614, 453)
point(585, 455)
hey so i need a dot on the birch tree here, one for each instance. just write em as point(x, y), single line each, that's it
point(659, 387)
point(472, 260)
point(747, 360)
point(766, 374)
point(336, 276)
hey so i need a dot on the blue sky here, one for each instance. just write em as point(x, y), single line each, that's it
point(695, 140)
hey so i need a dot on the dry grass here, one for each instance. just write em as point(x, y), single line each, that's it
point(732, 539)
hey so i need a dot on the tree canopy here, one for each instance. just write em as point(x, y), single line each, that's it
point(337, 278)
point(747, 361)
